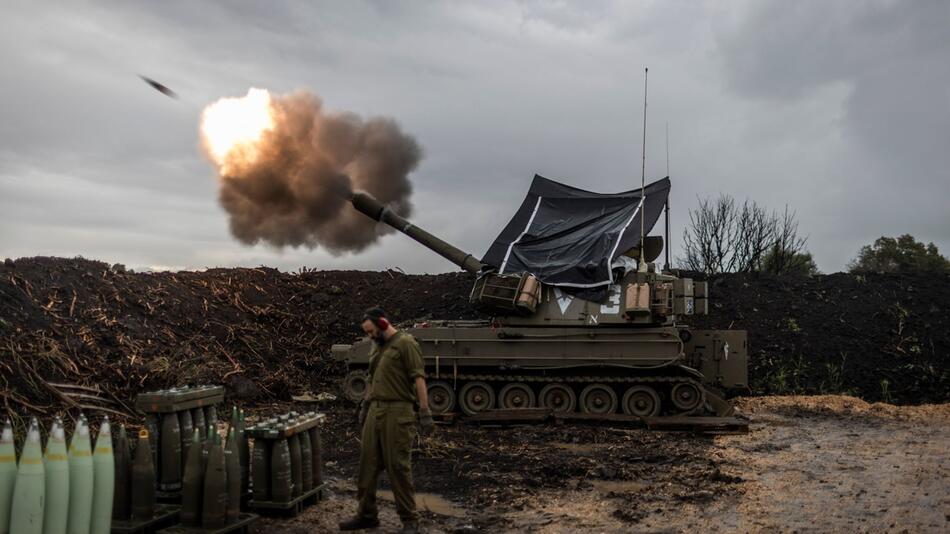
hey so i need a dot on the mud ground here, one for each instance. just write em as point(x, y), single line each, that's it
point(808, 464)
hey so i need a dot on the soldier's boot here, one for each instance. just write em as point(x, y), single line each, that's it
point(410, 527)
point(359, 523)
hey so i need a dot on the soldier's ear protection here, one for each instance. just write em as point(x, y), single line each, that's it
point(378, 317)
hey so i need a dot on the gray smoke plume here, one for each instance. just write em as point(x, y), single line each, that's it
point(295, 190)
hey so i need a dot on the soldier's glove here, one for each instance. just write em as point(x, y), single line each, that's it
point(364, 410)
point(425, 422)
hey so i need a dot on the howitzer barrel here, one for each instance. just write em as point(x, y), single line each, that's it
point(371, 207)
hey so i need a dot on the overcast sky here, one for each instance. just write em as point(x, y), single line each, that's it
point(841, 110)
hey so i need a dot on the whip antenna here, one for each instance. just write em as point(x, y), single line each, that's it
point(643, 173)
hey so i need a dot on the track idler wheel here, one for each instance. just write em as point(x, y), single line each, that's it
point(686, 396)
point(516, 396)
point(476, 397)
point(355, 384)
point(558, 397)
point(441, 397)
point(642, 401)
point(598, 399)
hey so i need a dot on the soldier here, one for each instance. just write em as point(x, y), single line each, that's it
point(396, 383)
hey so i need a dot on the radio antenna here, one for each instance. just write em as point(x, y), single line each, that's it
point(666, 210)
point(643, 175)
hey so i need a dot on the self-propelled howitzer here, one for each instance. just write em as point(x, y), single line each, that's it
point(622, 346)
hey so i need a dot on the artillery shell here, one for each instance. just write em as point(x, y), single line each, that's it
point(192, 484)
point(7, 475)
point(296, 470)
point(245, 451)
point(232, 465)
point(26, 514)
point(261, 469)
point(306, 461)
point(153, 425)
point(170, 461)
point(198, 421)
point(281, 486)
point(81, 479)
point(316, 449)
point(121, 505)
point(103, 465)
point(185, 426)
point(215, 497)
point(56, 467)
point(211, 415)
point(143, 479)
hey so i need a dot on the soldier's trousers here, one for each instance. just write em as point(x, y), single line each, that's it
point(388, 433)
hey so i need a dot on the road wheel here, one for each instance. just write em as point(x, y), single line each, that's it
point(476, 397)
point(558, 397)
point(642, 401)
point(686, 396)
point(441, 397)
point(355, 384)
point(516, 396)
point(598, 399)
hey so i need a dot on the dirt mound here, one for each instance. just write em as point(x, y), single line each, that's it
point(262, 332)
point(267, 334)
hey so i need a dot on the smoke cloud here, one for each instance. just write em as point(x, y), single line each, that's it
point(288, 182)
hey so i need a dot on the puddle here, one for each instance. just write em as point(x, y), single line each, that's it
point(429, 502)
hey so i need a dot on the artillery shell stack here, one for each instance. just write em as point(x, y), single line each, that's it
point(134, 509)
point(211, 496)
point(284, 448)
point(171, 415)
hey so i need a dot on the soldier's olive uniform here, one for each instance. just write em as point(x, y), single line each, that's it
point(390, 425)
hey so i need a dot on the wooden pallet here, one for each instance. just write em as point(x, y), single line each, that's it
point(290, 508)
point(165, 515)
point(240, 526)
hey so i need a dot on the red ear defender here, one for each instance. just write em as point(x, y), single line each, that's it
point(382, 323)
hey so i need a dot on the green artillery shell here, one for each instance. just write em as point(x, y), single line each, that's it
point(121, 504)
point(306, 462)
point(56, 467)
point(215, 498)
point(211, 415)
point(281, 483)
point(153, 424)
point(232, 464)
point(103, 465)
point(198, 421)
point(316, 449)
point(192, 484)
point(80, 479)
point(170, 453)
point(296, 469)
point(143, 480)
point(26, 514)
point(261, 469)
point(184, 424)
point(7, 475)
point(245, 451)
point(206, 446)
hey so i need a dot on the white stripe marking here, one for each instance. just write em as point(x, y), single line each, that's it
point(515, 242)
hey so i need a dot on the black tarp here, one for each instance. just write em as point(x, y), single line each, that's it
point(569, 237)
